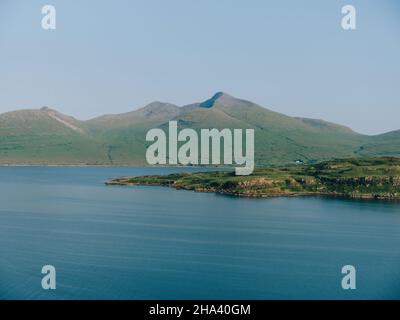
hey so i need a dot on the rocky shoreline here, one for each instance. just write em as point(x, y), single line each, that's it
point(360, 178)
point(270, 195)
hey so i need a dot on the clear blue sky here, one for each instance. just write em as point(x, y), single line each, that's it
point(290, 56)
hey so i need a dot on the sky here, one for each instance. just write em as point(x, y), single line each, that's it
point(292, 57)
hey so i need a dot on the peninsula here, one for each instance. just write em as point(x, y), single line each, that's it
point(367, 178)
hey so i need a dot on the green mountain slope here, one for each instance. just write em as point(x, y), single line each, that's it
point(386, 144)
point(46, 136)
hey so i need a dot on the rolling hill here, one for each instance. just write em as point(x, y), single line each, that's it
point(45, 136)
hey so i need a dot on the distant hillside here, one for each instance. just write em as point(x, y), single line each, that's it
point(46, 136)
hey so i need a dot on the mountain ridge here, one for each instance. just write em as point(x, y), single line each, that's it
point(215, 97)
point(46, 136)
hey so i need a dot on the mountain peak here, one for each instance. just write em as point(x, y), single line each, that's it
point(44, 108)
point(159, 104)
point(157, 109)
point(217, 96)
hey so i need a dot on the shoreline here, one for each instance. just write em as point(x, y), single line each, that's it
point(117, 182)
point(353, 178)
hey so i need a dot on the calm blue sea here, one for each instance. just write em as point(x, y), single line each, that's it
point(160, 243)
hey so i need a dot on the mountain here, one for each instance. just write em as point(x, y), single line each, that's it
point(45, 136)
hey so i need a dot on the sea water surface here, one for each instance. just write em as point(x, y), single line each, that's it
point(160, 243)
